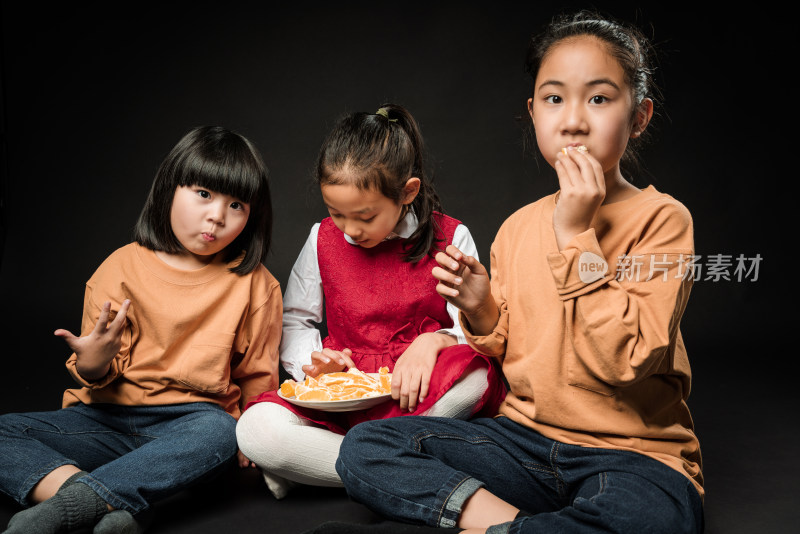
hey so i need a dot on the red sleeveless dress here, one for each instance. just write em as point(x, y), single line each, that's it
point(376, 304)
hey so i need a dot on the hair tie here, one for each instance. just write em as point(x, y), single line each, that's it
point(383, 112)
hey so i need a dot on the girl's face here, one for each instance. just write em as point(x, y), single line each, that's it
point(205, 222)
point(581, 98)
point(367, 216)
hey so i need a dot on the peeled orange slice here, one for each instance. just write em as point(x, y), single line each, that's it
point(342, 385)
point(314, 395)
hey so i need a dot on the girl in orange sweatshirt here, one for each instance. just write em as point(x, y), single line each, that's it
point(179, 329)
point(582, 307)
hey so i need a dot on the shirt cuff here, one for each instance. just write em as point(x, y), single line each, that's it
point(111, 375)
point(492, 344)
point(580, 268)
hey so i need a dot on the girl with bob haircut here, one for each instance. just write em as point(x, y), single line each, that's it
point(179, 329)
point(222, 161)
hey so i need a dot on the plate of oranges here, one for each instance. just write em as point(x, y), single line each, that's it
point(343, 391)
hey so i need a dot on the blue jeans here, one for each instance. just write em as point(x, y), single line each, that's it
point(135, 455)
point(423, 470)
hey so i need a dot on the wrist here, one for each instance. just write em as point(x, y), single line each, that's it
point(437, 340)
point(92, 373)
point(483, 318)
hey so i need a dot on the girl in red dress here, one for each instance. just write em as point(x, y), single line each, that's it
point(365, 271)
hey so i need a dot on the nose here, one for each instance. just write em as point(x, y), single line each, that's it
point(353, 229)
point(216, 213)
point(574, 118)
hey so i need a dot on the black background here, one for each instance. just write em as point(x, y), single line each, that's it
point(95, 95)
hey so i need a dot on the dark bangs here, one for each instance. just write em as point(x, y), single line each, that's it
point(228, 167)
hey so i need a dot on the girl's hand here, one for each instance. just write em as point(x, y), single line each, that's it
point(411, 375)
point(328, 361)
point(464, 283)
point(243, 460)
point(583, 189)
point(96, 350)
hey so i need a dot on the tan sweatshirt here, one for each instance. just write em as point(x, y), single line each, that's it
point(207, 335)
point(593, 353)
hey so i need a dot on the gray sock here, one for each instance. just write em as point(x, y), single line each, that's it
point(72, 479)
point(73, 506)
point(118, 522)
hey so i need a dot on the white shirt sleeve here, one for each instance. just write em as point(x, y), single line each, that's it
point(463, 241)
point(303, 304)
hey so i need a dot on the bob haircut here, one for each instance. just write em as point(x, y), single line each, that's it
point(219, 160)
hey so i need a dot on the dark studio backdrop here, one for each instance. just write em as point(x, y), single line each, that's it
point(94, 97)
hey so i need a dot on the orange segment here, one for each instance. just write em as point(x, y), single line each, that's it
point(386, 383)
point(352, 384)
point(314, 395)
point(288, 387)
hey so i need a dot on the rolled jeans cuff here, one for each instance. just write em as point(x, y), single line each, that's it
point(455, 502)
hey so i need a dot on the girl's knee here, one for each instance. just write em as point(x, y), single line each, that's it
point(214, 429)
point(264, 430)
point(379, 437)
point(619, 498)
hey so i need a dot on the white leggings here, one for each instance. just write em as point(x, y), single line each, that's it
point(284, 444)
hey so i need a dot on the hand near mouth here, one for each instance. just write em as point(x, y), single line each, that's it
point(582, 191)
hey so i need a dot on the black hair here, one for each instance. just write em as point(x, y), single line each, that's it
point(219, 160)
point(381, 151)
point(627, 44)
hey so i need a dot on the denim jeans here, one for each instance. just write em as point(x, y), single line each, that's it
point(423, 469)
point(135, 455)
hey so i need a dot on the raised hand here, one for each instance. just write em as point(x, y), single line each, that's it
point(465, 283)
point(328, 361)
point(582, 190)
point(96, 349)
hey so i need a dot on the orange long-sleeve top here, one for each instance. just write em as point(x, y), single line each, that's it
point(206, 335)
point(589, 336)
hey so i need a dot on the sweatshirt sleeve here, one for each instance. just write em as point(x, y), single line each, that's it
point(621, 322)
point(256, 368)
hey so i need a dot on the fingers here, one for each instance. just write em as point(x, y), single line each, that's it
point(451, 270)
point(579, 169)
point(328, 361)
point(310, 370)
point(409, 388)
point(114, 327)
point(122, 313)
point(346, 356)
point(447, 282)
point(341, 358)
point(66, 335)
point(102, 321)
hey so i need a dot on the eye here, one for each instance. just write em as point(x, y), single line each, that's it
point(203, 193)
point(598, 99)
point(238, 205)
point(370, 219)
point(553, 99)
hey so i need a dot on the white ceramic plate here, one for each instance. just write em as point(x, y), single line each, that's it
point(340, 405)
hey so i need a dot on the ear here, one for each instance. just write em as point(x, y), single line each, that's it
point(410, 190)
point(642, 118)
point(530, 110)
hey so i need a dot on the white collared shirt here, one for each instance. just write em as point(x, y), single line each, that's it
point(304, 302)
